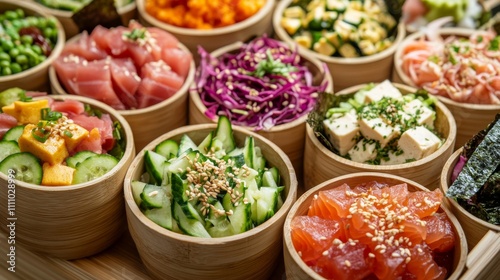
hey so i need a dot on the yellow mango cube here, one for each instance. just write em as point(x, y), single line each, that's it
point(30, 112)
point(53, 150)
point(57, 175)
point(77, 135)
point(10, 110)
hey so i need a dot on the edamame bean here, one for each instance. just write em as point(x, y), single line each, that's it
point(4, 63)
point(22, 59)
point(15, 68)
point(6, 71)
point(4, 56)
point(27, 39)
point(14, 52)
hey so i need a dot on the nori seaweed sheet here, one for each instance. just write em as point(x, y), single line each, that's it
point(97, 12)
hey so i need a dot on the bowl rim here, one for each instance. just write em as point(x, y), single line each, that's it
point(68, 14)
point(129, 148)
point(283, 35)
point(196, 99)
point(445, 179)
point(56, 51)
point(337, 180)
point(449, 141)
point(152, 226)
point(184, 31)
point(457, 31)
point(183, 90)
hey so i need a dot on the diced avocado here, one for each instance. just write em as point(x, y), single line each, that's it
point(57, 175)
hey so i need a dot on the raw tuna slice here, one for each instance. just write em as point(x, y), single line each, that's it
point(138, 53)
point(70, 107)
point(84, 47)
point(110, 40)
point(162, 73)
point(94, 80)
point(178, 60)
point(104, 125)
point(107, 139)
point(151, 92)
point(163, 39)
point(125, 81)
point(35, 93)
point(65, 67)
point(91, 143)
point(6, 123)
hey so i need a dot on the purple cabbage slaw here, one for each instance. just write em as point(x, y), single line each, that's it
point(227, 87)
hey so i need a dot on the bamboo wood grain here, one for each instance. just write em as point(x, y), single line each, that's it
point(482, 262)
point(321, 164)
point(290, 137)
point(474, 228)
point(212, 39)
point(347, 72)
point(126, 13)
point(153, 121)
point(249, 255)
point(75, 221)
point(295, 268)
point(469, 118)
point(35, 78)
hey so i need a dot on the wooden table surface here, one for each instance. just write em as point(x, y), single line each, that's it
point(120, 261)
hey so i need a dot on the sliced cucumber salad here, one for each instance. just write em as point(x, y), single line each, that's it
point(208, 189)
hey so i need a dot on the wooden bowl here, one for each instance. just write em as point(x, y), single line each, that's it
point(126, 13)
point(249, 255)
point(294, 266)
point(470, 118)
point(289, 137)
point(210, 40)
point(37, 76)
point(150, 122)
point(347, 72)
point(75, 221)
point(321, 164)
point(474, 228)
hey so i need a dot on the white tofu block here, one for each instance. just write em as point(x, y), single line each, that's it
point(363, 151)
point(425, 116)
point(342, 130)
point(378, 130)
point(418, 143)
point(384, 89)
point(394, 159)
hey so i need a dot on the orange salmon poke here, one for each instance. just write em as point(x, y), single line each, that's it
point(375, 231)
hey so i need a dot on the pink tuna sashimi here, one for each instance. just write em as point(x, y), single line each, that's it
point(104, 125)
point(6, 122)
point(35, 93)
point(66, 67)
point(107, 139)
point(125, 81)
point(151, 92)
point(84, 47)
point(94, 80)
point(178, 60)
point(70, 107)
point(139, 54)
point(91, 143)
point(110, 40)
point(161, 72)
point(163, 39)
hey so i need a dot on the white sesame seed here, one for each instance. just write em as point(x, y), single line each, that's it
point(347, 263)
point(325, 253)
point(371, 255)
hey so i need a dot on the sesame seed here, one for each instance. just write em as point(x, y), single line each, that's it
point(371, 255)
point(395, 255)
point(407, 260)
point(347, 263)
point(325, 253)
point(322, 238)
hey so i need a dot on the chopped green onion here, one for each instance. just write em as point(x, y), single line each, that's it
point(50, 115)
point(68, 134)
point(40, 138)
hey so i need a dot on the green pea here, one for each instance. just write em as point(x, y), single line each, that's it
point(37, 49)
point(42, 23)
point(24, 66)
point(22, 59)
point(15, 68)
point(32, 21)
point(10, 15)
point(6, 71)
point(17, 23)
point(7, 45)
point(47, 32)
point(12, 32)
point(4, 63)
point(20, 48)
point(52, 22)
point(14, 52)
point(20, 13)
point(4, 56)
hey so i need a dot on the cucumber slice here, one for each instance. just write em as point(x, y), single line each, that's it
point(154, 163)
point(79, 157)
point(93, 168)
point(26, 167)
point(276, 174)
point(191, 212)
point(224, 132)
point(266, 204)
point(168, 148)
point(179, 188)
point(153, 196)
point(14, 133)
point(205, 145)
point(10, 95)
point(185, 144)
point(249, 151)
point(161, 216)
point(8, 148)
point(268, 180)
point(221, 229)
point(137, 188)
point(191, 227)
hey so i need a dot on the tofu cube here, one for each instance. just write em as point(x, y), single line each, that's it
point(53, 150)
point(363, 151)
point(424, 115)
point(384, 89)
point(418, 143)
point(57, 175)
point(30, 112)
point(394, 159)
point(78, 134)
point(378, 130)
point(341, 131)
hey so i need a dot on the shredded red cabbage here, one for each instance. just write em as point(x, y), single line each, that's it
point(262, 85)
point(458, 168)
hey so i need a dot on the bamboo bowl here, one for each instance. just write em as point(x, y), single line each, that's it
point(249, 255)
point(470, 118)
point(294, 266)
point(212, 39)
point(38, 75)
point(321, 164)
point(347, 72)
point(126, 13)
point(290, 136)
point(474, 228)
point(71, 222)
point(150, 122)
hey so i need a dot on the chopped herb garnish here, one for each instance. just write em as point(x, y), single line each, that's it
point(50, 115)
point(68, 134)
point(494, 44)
point(40, 134)
point(135, 34)
point(272, 66)
point(479, 39)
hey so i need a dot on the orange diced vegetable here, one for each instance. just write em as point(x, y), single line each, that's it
point(57, 175)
